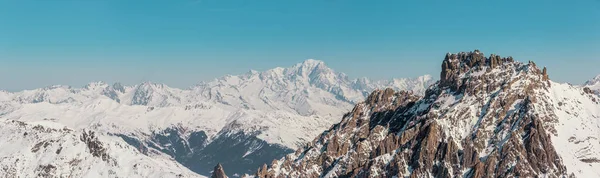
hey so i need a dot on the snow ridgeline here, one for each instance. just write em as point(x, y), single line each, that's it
point(261, 113)
point(47, 149)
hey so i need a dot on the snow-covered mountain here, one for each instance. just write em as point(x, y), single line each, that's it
point(593, 84)
point(48, 149)
point(240, 121)
point(486, 117)
point(308, 88)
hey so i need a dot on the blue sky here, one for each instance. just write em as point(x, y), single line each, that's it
point(182, 42)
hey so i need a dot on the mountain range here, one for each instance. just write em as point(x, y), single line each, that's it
point(239, 121)
point(486, 117)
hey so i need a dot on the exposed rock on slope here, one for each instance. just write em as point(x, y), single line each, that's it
point(45, 149)
point(593, 84)
point(218, 172)
point(486, 117)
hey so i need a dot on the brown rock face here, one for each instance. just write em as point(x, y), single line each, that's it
point(455, 65)
point(545, 74)
point(95, 147)
point(479, 120)
point(218, 172)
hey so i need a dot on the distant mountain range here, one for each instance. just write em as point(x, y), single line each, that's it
point(486, 117)
point(240, 121)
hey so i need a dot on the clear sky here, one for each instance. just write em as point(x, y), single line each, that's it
point(182, 42)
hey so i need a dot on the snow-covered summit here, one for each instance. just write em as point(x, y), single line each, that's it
point(594, 83)
point(306, 88)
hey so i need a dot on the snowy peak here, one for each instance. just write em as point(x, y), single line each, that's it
point(593, 84)
point(308, 88)
point(95, 85)
point(312, 62)
point(313, 72)
point(118, 87)
point(309, 66)
point(153, 94)
point(593, 81)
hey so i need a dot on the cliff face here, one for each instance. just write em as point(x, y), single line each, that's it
point(486, 117)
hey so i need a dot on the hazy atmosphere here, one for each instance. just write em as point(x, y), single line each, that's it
point(183, 42)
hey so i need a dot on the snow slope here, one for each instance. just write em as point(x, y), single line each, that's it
point(48, 149)
point(578, 130)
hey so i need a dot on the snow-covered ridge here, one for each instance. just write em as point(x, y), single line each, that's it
point(282, 106)
point(593, 84)
point(47, 149)
point(299, 89)
point(304, 91)
point(593, 81)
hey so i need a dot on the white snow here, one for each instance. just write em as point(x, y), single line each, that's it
point(287, 105)
point(578, 129)
point(31, 149)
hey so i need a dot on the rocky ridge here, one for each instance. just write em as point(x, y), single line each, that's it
point(486, 117)
point(218, 172)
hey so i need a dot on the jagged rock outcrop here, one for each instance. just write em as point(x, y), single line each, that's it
point(456, 64)
point(486, 117)
point(218, 172)
point(588, 90)
point(545, 74)
point(95, 147)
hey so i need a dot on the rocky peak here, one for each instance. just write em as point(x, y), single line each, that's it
point(455, 66)
point(387, 99)
point(462, 71)
point(218, 172)
point(480, 120)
